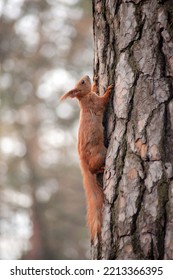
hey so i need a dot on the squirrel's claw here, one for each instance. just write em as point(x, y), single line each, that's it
point(111, 86)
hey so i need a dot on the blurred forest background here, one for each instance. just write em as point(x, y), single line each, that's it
point(45, 47)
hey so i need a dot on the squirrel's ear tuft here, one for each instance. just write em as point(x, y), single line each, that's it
point(69, 94)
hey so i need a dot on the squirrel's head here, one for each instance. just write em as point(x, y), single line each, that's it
point(82, 88)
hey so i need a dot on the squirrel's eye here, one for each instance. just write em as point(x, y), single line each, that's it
point(83, 82)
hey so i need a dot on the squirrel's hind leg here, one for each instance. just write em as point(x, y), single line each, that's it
point(97, 162)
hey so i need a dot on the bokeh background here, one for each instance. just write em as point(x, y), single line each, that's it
point(45, 47)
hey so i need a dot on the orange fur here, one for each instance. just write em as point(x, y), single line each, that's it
point(91, 149)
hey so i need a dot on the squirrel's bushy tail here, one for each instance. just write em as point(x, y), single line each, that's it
point(94, 196)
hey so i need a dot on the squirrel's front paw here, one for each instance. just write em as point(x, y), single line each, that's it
point(111, 86)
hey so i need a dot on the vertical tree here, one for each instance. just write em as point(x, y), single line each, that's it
point(134, 50)
point(41, 208)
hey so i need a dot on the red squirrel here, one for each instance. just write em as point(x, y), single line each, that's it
point(91, 149)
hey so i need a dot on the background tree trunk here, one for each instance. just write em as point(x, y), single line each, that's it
point(134, 50)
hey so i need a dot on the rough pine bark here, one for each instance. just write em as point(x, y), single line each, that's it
point(133, 43)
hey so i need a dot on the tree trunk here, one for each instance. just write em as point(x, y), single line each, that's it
point(134, 50)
